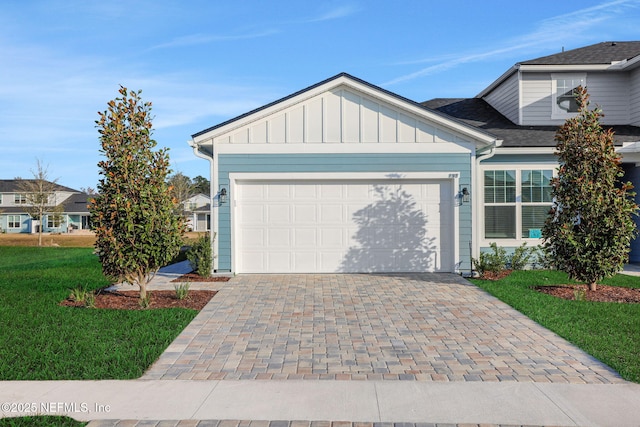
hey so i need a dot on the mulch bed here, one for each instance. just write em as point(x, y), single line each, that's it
point(193, 277)
point(490, 275)
point(603, 293)
point(128, 300)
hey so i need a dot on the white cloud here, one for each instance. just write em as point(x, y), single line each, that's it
point(198, 39)
point(557, 30)
point(336, 13)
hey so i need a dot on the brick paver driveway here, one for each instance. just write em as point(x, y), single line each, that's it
point(430, 327)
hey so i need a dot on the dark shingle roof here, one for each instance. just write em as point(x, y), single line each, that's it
point(77, 203)
point(477, 112)
point(13, 186)
point(600, 53)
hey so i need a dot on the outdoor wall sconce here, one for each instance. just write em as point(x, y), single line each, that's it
point(465, 195)
point(222, 196)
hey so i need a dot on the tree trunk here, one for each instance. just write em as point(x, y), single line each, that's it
point(592, 286)
point(143, 290)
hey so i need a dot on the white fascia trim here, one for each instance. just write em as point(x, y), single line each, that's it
point(350, 148)
point(525, 151)
point(567, 68)
point(339, 176)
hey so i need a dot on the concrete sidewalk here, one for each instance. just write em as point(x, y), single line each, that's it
point(508, 403)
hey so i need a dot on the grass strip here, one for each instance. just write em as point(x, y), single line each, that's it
point(608, 331)
point(41, 421)
point(40, 340)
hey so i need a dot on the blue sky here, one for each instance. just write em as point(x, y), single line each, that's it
point(203, 62)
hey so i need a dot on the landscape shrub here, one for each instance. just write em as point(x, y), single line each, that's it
point(497, 260)
point(522, 256)
point(492, 261)
point(200, 256)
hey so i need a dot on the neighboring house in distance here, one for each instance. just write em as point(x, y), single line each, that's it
point(15, 219)
point(345, 176)
point(197, 210)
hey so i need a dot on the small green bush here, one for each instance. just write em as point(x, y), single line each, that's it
point(182, 290)
point(493, 261)
point(497, 259)
point(78, 294)
point(200, 256)
point(523, 256)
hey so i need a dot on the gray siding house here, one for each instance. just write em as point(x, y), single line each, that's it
point(344, 176)
point(523, 108)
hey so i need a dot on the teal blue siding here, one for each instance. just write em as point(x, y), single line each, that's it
point(256, 163)
point(24, 224)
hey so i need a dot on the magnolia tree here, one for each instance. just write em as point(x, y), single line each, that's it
point(133, 215)
point(590, 225)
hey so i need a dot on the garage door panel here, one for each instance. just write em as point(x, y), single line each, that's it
point(278, 237)
point(252, 237)
point(330, 226)
point(279, 213)
point(332, 192)
point(305, 261)
point(305, 214)
point(279, 261)
point(253, 192)
point(358, 192)
point(329, 260)
point(305, 191)
point(332, 237)
point(305, 237)
point(253, 215)
point(332, 213)
point(278, 192)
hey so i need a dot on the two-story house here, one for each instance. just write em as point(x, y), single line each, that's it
point(197, 210)
point(345, 176)
point(524, 108)
point(14, 217)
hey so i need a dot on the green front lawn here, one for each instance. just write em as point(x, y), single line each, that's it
point(40, 340)
point(608, 331)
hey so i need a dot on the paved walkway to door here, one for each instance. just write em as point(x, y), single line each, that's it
point(426, 327)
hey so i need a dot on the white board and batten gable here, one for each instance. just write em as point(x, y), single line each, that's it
point(341, 111)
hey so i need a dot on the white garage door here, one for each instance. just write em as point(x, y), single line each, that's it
point(326, 226)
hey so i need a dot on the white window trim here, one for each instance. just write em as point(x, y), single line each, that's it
point(19, 199)
point(51, 219)
point(9, 221)
point(556, 112)
point(484, 242)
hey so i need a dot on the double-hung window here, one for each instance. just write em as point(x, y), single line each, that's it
point(53, 221)
point(13, 221)
point(19, 199)
point(563, 100)
point(500, 204)
point(516, 203)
